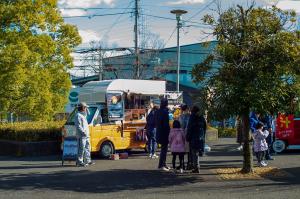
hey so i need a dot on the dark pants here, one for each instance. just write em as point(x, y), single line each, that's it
point(260, 155)
point(163, 156)
point(195, 153)
point(269, 141)
point(181, 160)
point(152, 145)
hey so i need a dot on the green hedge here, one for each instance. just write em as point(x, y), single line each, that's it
point(31, 131)
point(226, 132)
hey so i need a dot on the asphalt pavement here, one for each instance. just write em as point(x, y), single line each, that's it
point(139, 178)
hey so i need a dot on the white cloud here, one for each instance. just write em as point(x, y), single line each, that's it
point(88, 36)
point(73, 12)
point(289, 5)
point(84, 3)
point(180, 2)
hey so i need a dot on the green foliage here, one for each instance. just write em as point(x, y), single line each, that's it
point(35, 47)
point(260, 62)
point(260, 70)
point(31, 131)
point(227, 132)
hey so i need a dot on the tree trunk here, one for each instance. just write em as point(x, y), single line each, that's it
point(247, 148)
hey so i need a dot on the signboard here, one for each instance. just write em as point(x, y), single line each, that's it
point(285, 126)
point(70, 148)
point(115, 106)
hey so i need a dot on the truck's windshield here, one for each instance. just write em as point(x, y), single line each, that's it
point(90, 116)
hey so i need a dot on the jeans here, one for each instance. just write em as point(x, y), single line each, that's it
point(152, 145)
point(195, 158)
point(84, 150)
point(163, 156)
point(269, 141)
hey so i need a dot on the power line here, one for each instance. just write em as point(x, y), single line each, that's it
point(201, 10)
point(167, 18)
point(170, 36)
point(98, 15)
point(117, 20)
point(94, 8)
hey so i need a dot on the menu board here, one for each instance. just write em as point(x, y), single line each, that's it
point(115, 106)
point(70, 148)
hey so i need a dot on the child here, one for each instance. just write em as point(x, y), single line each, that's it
point(177, 144)
point(260, 144)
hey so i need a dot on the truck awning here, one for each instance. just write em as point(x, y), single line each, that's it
point(95, 91)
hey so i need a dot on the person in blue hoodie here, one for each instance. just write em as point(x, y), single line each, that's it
point(254, 120)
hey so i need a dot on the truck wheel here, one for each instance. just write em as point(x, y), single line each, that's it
point(279, 146)
point(106, 149)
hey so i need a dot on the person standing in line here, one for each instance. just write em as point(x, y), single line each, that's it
point(260, 144)
point(151, 131)
point(254, 120)
point(267, 121)
point(83, 136)
point(184, 119)
point(195, 135)
point(177, 144)
point(162, 132)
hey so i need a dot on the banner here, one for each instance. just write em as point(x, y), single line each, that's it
point(284, 126)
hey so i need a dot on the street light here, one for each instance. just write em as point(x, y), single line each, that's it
point(178, 14)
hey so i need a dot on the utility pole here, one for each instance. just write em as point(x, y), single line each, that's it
point(178, 14)
point(137, 64)
point(100, 65)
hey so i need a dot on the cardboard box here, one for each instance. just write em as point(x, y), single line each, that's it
point(114, 156)
point(123, 155)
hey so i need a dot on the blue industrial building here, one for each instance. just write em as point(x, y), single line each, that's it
point(157, 64)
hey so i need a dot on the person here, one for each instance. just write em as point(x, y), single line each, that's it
point(267, 121)
point(195, 135)
point(162, 132)
point(184, 119)
point(239, 133)
point(254, 120)
point(260, 144)
point(177, 144)
point(83, 136)
point(151, 130)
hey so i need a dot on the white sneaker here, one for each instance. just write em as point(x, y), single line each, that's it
point(154, 156)
point(264, 163)
point(164, 169)
point(240, 148)
point(150, 156)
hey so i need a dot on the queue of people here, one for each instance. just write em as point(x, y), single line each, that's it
point(187, 136)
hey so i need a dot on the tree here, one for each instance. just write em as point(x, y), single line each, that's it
point(255, 65)
point(35, 47)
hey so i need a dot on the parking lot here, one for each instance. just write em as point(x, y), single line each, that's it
point(137, 177)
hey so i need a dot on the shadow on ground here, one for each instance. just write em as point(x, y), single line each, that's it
point(95, 181)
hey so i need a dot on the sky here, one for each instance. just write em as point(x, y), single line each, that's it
point(114, 25)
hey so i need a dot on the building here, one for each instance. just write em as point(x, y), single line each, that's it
point(157, 64)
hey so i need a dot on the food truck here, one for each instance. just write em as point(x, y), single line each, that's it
point(287, 134)
point(116, 113)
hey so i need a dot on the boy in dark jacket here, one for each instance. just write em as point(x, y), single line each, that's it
point(162, 132)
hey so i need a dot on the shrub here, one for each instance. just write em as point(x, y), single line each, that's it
point(226, 132)
point(31, 131)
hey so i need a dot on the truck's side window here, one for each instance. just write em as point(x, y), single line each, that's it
point(104, 115)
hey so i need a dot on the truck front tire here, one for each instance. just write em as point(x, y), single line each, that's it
point(106, 149)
